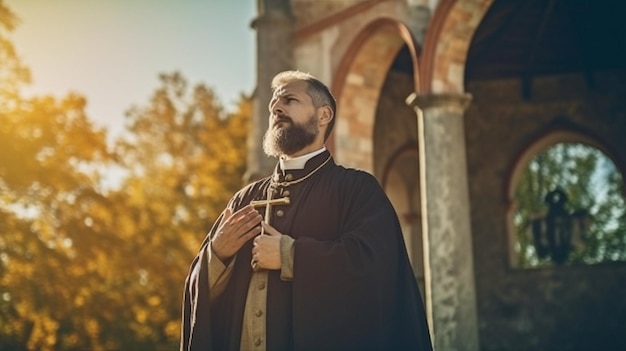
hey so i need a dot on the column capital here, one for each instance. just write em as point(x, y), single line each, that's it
point(454, 101)
point(271, 20)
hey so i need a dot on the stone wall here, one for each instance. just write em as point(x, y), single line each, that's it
point(561, 308)
point(310, 11)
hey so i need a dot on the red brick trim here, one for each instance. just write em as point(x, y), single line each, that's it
point(339, 77)
point(334, 19)
point(431, 40)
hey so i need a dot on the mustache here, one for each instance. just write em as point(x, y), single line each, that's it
point(282, 118)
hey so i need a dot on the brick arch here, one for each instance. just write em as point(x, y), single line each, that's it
point(357, 83)
point(447, 42)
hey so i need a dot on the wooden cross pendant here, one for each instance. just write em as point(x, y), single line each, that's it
point(268, 212)
point(269, 203)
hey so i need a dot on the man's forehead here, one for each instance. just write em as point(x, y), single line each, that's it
point(293, 87)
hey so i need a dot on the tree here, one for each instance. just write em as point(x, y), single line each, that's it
point(13, 74)
point(87, 266)
point(590, 182)
point(47, 176)
point(185, 157)
point(83, 266)
point(49, 186)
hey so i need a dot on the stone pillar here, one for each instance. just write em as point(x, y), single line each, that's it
point(417, 19)
point(274, 28)
point(449, 268)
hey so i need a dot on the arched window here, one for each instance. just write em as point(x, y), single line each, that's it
point(569, 206)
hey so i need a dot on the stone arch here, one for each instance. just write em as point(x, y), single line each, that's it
point(357, 84)
point(447, 42)
point(543, 142)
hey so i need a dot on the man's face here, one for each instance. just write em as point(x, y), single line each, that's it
point(293, 120)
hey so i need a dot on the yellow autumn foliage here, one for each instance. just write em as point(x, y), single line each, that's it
point(87, 266)
point(84, 266)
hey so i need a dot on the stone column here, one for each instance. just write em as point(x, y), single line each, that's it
point(417, 18)
point(449, 268)
point(274, 29)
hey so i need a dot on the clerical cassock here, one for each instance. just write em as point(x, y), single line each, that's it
point(351, 286)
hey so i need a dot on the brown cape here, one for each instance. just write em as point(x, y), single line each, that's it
point(353, 286)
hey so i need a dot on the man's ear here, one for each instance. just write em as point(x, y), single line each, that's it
point(325, 115)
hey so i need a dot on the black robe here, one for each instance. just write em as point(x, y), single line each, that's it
point(353, 286)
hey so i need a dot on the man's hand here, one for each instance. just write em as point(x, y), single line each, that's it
point(266, 249)
point(234, 231)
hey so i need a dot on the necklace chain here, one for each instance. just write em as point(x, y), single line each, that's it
point(286, 184)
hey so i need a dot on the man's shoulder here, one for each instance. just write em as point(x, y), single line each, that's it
point(252, 189)
point(255, 184)
point(355, 175)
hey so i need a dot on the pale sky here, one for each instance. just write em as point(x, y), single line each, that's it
point(111, 51)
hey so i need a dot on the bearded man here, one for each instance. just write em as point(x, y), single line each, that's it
point(309, 258)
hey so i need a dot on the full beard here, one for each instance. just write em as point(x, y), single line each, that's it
point(290, 139)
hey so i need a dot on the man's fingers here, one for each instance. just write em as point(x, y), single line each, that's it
point(235, 230)
point(249, 235)
point(240, 222)
point(241, 213)
point(244, 217)
point(247, 223)
point(269, 230)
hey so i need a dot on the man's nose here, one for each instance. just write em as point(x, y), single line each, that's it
point(278, 108)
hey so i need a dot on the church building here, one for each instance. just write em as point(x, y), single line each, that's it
point(498, 130)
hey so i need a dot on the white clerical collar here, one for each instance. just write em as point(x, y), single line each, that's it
point(300, 161)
